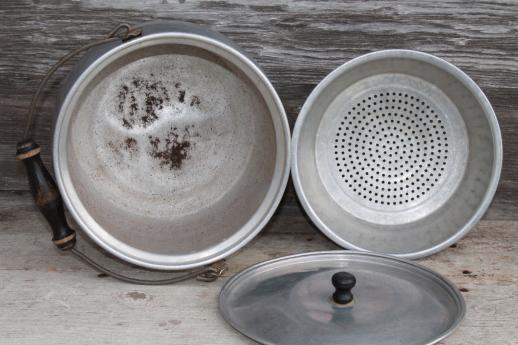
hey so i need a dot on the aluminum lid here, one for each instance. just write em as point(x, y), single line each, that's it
point(307, 299)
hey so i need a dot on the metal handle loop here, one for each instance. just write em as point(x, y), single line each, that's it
point(122, 31)
point(205, 274)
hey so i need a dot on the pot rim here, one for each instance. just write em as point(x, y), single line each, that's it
point(208, 255)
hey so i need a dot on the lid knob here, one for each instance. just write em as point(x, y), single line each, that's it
point(343, 283)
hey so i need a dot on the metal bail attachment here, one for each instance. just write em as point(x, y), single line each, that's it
point(215, 271)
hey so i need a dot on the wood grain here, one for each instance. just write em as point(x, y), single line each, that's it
point(297, 44)
point(47, 297)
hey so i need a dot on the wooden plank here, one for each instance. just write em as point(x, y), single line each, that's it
point(47, 297)
point(296, 42)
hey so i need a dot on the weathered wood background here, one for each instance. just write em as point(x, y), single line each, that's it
point(46, 297)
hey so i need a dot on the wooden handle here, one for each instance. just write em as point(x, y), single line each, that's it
point(46, 194)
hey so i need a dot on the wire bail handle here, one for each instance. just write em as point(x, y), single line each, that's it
point(122, 32)
point(46, 193)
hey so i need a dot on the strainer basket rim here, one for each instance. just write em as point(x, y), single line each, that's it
point(433, 60)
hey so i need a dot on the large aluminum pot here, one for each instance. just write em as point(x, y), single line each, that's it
point(171, 150)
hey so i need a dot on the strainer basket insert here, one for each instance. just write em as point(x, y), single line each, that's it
point(397, 152)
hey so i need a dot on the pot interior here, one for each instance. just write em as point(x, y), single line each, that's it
point(171, 149)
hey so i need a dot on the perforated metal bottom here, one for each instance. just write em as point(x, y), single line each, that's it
point(391, 149)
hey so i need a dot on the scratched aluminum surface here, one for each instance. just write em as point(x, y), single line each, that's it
point(171, 152)
point(396, 152)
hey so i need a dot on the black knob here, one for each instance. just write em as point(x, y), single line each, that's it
point(343, 283)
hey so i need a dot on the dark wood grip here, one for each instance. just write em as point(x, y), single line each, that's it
point(46, 194)
point(343, 283)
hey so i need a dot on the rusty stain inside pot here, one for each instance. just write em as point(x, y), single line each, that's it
point(140, 101)
point(129, 145)
point(181, 98)
point(172, 150)
point(195, 100)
